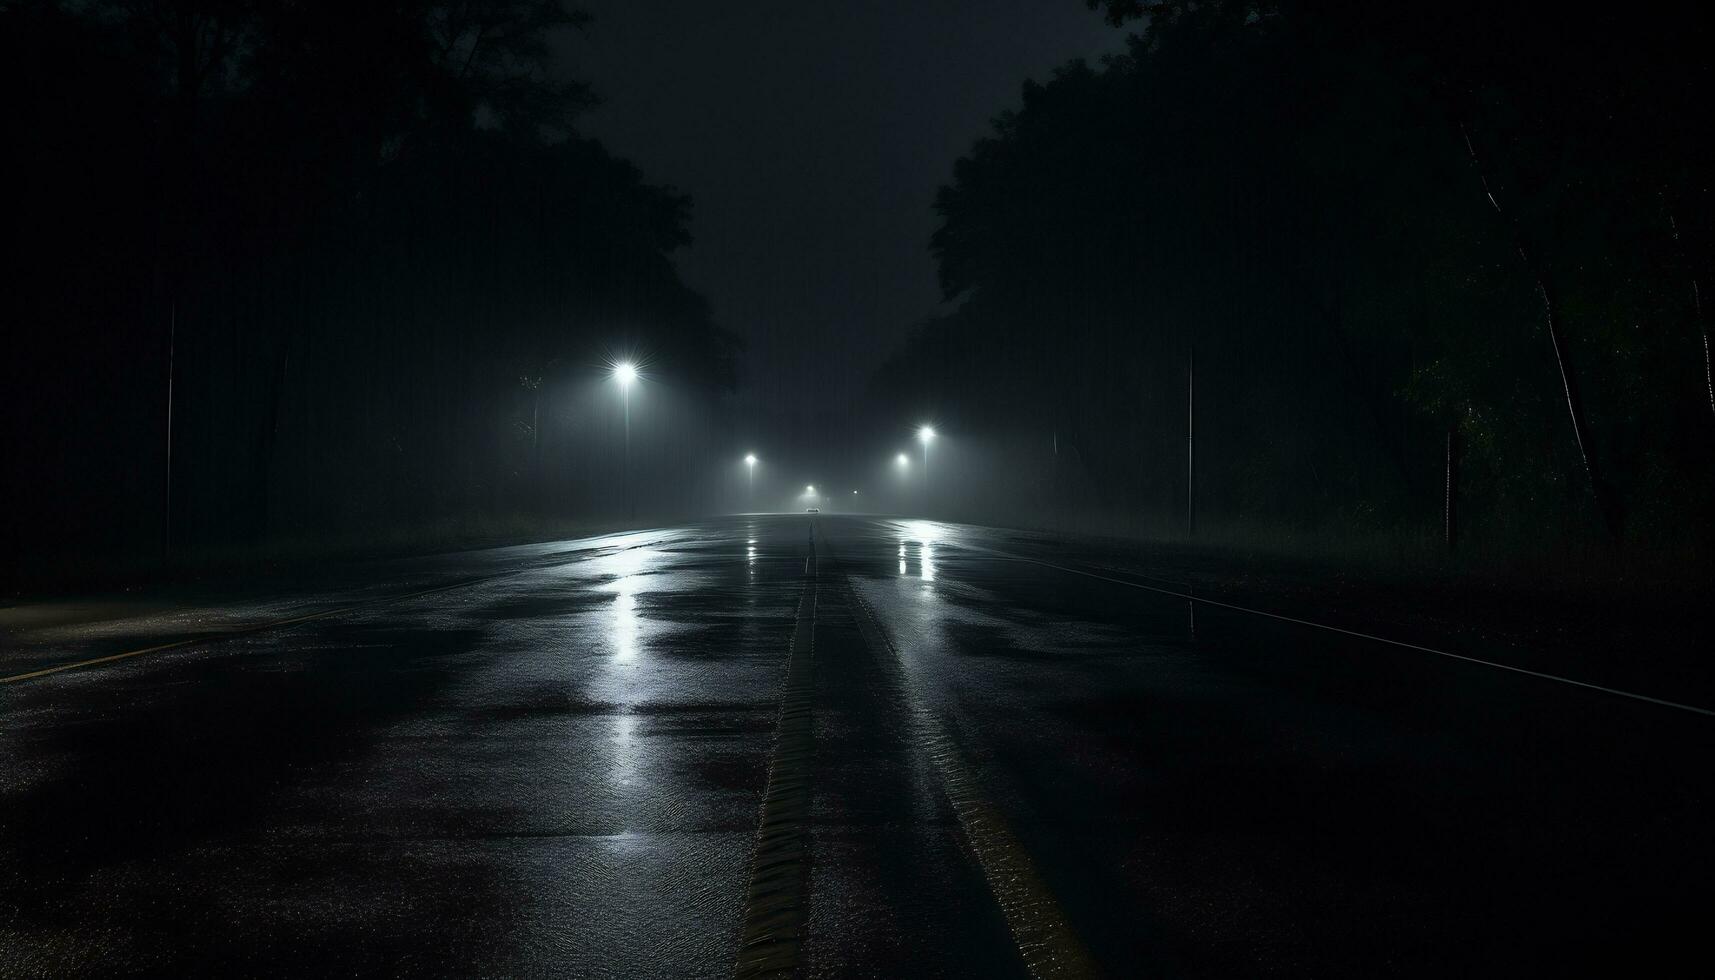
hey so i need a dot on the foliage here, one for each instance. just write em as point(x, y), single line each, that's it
point(352, 227)
point(1353, 216)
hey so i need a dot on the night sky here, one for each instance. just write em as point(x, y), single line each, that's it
point(812, 138)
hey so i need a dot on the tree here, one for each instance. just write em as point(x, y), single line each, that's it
point(1372, 226)
point(1575, 126)
point(366, 217)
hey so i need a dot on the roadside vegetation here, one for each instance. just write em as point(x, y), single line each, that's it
point(352, 267)
point(1403, 248)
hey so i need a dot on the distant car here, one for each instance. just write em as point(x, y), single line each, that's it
point(812, 510)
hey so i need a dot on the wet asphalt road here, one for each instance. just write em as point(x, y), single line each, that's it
point(577, 759)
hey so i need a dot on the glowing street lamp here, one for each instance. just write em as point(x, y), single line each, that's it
point(750, 470)
point(625, 373)
point(925, 435)
point(902, 461)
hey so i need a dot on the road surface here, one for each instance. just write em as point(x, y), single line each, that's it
point(824, 745)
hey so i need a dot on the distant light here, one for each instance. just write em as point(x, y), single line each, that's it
point(750, 459)
point(625, 373)
point(902, 461)
point(810, 491)
point(925, 434)
point(854, 493)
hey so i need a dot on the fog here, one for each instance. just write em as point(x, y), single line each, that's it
point(291, 299)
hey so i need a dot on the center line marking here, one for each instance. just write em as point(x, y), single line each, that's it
point(1039, 928)
point(776, 903)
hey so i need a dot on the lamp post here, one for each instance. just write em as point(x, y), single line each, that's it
point(925, 435)
point(750, 473)
point(625, 373)
point(902, 463)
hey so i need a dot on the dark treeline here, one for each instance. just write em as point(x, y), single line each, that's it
point(1371, 226)
point(385, 266)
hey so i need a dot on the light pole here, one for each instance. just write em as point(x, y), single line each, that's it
point(926, 435)
point(750, 472)
point(167, 511)
point(625, 373)
point(1191, 444)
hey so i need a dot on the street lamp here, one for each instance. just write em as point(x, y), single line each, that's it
point(902, 461)
point(625, 373)
point(750, 471)
point(925, 435)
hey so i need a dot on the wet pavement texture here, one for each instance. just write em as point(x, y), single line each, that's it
point(557, 763)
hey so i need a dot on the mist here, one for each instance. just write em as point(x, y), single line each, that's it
point(1198, 287)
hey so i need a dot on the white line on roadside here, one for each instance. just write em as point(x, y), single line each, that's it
point(1645, 698)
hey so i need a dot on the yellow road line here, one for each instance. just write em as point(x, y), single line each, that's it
point(1044, 938)
point(771, 939)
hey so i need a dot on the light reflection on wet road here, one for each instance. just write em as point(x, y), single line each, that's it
point(557, 768)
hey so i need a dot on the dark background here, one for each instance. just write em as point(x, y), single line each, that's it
point(392, 254)
point(812, 138)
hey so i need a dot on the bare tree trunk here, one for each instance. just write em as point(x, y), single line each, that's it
point(1696, 311)
point(1575, 408)
point(200, 46)
point(1191, 443)
point(1703, 327)
point(1599, 493)
point(167, 492)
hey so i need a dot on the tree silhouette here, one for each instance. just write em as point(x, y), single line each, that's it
point(358, 219)
point(1372, 223)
